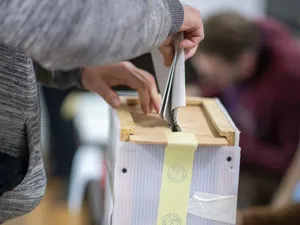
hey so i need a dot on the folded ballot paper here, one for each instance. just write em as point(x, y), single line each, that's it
point(171, 82)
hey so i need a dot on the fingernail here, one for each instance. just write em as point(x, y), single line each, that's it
point(157, 103)
point(115, 102)
point(146, 109)
point(159, 99)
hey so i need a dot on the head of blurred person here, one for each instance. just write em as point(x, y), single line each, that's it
point(229, 52)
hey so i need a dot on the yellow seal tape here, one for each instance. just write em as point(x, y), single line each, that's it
point(176, 178)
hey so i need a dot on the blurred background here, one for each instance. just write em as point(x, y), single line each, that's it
point(75, 124)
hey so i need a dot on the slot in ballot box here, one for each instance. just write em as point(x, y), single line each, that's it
point(159, 177)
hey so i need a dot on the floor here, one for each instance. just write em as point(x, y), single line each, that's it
point(52, 211)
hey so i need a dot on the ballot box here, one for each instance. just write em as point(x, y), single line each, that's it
point(156, 176)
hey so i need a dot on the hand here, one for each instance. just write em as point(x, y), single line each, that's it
point(101, 79)
point(192, 28)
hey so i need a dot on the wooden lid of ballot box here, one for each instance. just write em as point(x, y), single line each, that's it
point(203, 117)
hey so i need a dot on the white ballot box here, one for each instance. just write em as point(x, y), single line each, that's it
point(159, 177)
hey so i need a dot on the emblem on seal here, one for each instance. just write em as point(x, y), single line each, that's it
point(171, 219)
point(177, 173)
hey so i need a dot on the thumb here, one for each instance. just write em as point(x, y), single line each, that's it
point(107, 93)
point(167, 50)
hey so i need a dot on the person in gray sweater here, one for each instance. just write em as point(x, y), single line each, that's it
point(67, 36)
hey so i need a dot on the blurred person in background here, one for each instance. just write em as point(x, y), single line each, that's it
point(78, 37)
point(254, 67)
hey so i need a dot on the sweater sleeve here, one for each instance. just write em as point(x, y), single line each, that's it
point(75, 33)
point(58, 78)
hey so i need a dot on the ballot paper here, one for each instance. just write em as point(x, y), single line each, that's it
point(171, 83)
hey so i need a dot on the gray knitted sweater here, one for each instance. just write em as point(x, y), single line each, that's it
point(61, 35)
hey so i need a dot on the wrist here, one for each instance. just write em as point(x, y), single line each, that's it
point(79, 80)
point(177, 15)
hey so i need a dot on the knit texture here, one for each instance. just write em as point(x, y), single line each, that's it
point(177, 14)
point(20, 131)
point(62, 35)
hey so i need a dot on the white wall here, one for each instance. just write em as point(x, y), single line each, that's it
point(250, 8)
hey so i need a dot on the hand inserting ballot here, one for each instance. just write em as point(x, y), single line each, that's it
point(101, 79)
point(193, 31)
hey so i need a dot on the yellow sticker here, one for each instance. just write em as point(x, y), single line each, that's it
point(176, 178)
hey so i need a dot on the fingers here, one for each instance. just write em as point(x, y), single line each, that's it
point(101, 79)
point(193, 30)
point(102, 88)
point(190, 52)
point(190, 48)
point(190, 43)
point(167, 50)
point(108, 94)
point(135, 81)
point(145, 85)
point(155, 99)
point(144, 97)
point(187, 44)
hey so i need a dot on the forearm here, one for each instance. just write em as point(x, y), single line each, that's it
point(289, 215)
point(74, 33)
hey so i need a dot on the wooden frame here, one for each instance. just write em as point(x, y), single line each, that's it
point(211, 126)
